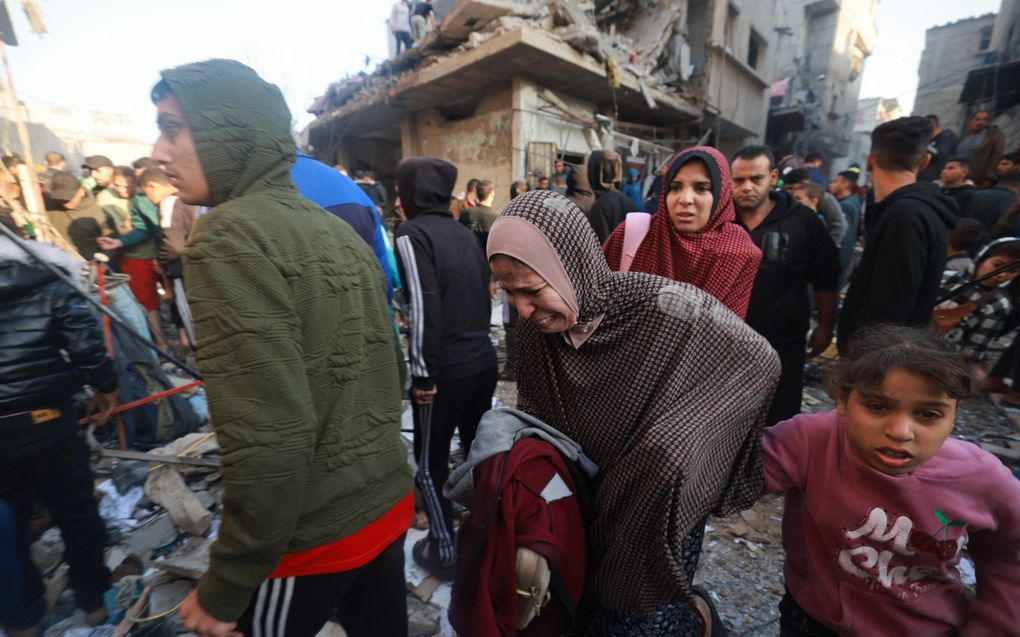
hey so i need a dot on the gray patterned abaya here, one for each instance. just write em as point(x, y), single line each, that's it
point(667, 395)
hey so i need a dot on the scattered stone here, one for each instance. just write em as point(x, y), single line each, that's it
point(154, 533)
point(166, 487)
point(167, 596)
point(48, 550)
point(740, 529)
point(191, 560)
point(1003, 453)
point(422, 618)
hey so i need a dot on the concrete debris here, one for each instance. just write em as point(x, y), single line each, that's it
point(191, 560)
point(156, 532)
point(422, 618)
point(48, 550)
point(167, 596)
point(166, 487)
point(646, 39)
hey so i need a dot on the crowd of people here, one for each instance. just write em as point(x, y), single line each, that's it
point(658, 341)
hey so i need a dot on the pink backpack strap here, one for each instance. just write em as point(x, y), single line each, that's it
point(635, 229)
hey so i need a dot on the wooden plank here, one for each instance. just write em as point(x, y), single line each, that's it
point(152, 457)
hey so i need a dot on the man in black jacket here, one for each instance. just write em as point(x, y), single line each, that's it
point(50, 345)
point(605, 174)
point(797, 250)
point(453, 362)
point(901, 268)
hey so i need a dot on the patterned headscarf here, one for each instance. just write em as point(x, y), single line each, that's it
point(720, 259)
point(667, 396)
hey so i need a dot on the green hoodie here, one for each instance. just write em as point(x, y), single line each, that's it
point(294, 340)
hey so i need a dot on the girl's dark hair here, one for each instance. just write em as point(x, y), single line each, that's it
point(876, 351)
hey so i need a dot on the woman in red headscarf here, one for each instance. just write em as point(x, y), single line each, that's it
point(693, 238)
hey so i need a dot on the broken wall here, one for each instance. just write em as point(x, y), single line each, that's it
point(480, 145)
point(535, 122)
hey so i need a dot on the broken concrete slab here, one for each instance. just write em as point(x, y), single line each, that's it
point(48, 550)
point(154, 533)
point(166, 487)
point(191, 560)
point(167, 596)
point(422, 618)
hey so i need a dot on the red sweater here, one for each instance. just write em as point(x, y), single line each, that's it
point(485, 591)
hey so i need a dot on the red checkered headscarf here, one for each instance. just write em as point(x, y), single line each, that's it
point(720, 258)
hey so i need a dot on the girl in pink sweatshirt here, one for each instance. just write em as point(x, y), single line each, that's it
point(881, 503)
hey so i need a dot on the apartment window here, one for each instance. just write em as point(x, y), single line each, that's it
point(755, 51)
point(986, 38)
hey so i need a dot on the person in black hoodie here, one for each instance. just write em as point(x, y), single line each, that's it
point(900, 271)
point(605, 174)
point(453, 362)
point(797, 250)
point(50, 346)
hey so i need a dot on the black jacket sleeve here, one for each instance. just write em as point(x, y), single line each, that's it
point(823, 258)
point(426, 321)
point(81, 336)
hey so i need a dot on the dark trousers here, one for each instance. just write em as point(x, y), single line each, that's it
point(370, 601)
point(404, 37)
point(459, 404)
point(794, 622)
point(50, 462)
point(10, 573)
point(1008, 365)
point(786, 402)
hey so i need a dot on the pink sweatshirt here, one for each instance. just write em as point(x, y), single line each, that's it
point(873, 554)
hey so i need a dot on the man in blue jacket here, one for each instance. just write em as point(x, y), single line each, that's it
point(339, 195)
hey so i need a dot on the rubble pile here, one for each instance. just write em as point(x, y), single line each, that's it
point(644, 39)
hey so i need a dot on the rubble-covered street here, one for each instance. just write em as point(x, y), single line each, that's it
point(163, 516)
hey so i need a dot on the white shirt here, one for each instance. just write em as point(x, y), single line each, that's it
point(400, 17)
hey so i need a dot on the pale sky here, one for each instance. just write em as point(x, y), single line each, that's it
point(891, 70)
point(106, 54)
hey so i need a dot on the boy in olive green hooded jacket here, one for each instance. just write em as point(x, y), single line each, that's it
point(302, 373)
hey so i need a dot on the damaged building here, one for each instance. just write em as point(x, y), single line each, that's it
point(503, 88)
point(821, 48)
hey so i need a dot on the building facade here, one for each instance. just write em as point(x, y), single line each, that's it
point(951, 51)
point(821, 48)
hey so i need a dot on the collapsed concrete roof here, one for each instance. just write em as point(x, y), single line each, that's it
point(634, 48)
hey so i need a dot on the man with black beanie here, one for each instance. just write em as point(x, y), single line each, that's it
point(900, 270)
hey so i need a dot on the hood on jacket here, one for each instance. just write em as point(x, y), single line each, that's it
point(498, 430)
point(605, 170)
point(240, 124)
point(944, 206)
point(577, 182)
point(425, 185)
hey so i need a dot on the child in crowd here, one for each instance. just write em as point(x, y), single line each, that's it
point(972, 316)
point(963, 242)
point(880, 503)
